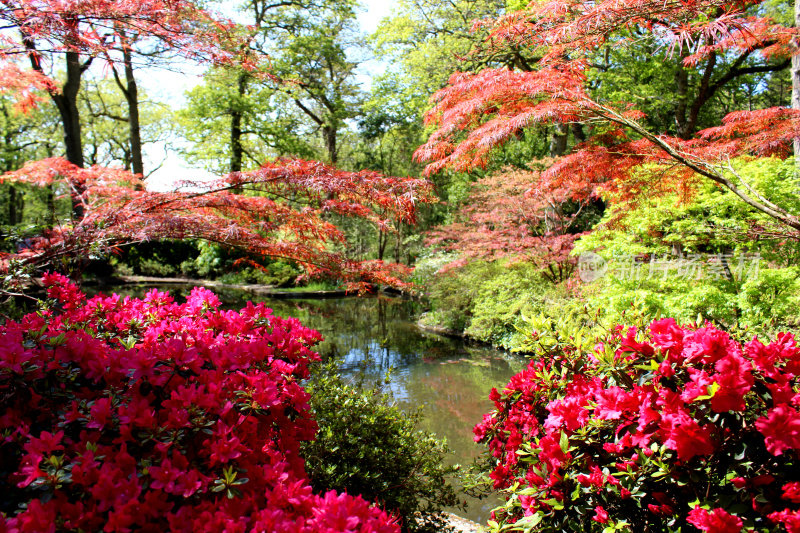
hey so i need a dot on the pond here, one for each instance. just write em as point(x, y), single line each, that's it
point(448, 378)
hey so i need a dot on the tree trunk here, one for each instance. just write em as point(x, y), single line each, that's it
point(329, 136)
point(558, 143)
point(66, 100)
point(50, 202)
point(12, 205)
point(681, 106)
point(381, 244)
point(20, 209)
point(132, 97)
point(237, 152)
point(558, 147)
point(578, 133)
point(398, 248)
point(67, 103)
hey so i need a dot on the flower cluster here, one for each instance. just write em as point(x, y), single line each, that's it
point(123, 414)
point(655, 430)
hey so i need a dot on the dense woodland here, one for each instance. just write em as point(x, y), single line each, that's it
point(543, 176)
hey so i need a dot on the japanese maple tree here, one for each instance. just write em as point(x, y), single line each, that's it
point(505, 218)
point(709, 43)
point(285, 212)
point(286, 216)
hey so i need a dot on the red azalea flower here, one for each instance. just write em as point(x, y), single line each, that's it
point(781, 429)
point(791, 492)
point(683, 434)
point(668, 336)
point(716, 521)
point(788, 518)
point(100, 413)
point(708, 345)
point(735, 380)
point(600, 515)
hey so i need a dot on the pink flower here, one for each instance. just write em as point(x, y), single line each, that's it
point(735, 380)
point(708, 345)
point(38, 517)
point(596, 478)
point(791, 492)
point(631, 345)
point(13, 354)
point(613, 402)
point(790, 520)
point(668, 336)
point(716, 521)
point(781, 429)
point(683, 434)
point(46, 444)
point(739, 482)
point(600, 515)
point(661, 510)
point(100, 413)
point(569, 413)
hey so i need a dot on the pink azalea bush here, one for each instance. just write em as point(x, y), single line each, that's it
point(671, 428)
point(123, 414)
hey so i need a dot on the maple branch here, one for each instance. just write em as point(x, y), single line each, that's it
point(701, 167)
point(118, 80)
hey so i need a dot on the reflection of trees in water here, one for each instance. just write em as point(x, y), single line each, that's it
point(371, 334)
point(455, 394)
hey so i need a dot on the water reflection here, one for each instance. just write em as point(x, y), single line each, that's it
point(448, 378)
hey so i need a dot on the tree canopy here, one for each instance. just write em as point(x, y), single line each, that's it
point(707, 45)
point(280, 209)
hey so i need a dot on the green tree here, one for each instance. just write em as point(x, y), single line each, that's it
point(233, 123)
point(313, 49)
point(25, 136)
point(106, 133)
point(300, 101)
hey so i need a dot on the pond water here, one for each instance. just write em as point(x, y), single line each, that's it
point(447, 377)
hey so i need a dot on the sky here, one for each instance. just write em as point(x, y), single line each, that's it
point(169, 87)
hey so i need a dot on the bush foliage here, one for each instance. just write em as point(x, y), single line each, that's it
point(488, 301)
point(122, 414)
point(649, 430)
point(709, 225)
point(367, 446)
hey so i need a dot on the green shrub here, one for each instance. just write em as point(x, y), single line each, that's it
point(276, 274)
point(714, 221)
point(154, 267)
point(157, 258)
point(513, 291)
point(770, 298)
point(773, 296)
point(367, 446)
point(451, 296)
point(210, 261)
point(486, 301)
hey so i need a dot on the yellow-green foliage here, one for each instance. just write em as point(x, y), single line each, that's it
point(713, 222)
point(487, 300)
